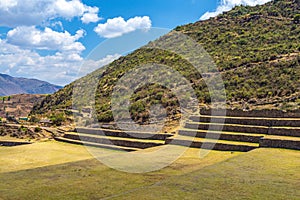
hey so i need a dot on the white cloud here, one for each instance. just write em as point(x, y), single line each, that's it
point(36, 12)
point(91, 16)
point(37, 29)
point(227, 5)
point(60, 68)
point(67, 9)
point(31, 37)
point(118, 26)
point(6, 4)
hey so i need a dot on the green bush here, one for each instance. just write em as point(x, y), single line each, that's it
point(37, 129)
point(58, 118)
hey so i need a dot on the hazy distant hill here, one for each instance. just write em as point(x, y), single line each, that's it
point(256, 49)
point(10, 85)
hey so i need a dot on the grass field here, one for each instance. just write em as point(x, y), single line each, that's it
point(40, 154)
point(52, 170)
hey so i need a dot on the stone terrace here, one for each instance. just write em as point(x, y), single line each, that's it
point(237, 131)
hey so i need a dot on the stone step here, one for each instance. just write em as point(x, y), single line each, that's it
point(221, 145)
point(13, 143)
point(125, 142)
point(105, 146)
point(123, 134)
point(258, 121)
point(222, 135)
point(227, 127)
point(252, 113)
point(285, 131)
point(282, 131)
point(280, 142)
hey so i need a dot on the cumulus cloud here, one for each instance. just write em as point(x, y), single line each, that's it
point(46, 39)
point(118, 26)
point(60, 68)
point(37, 46)
point(91, 15)
point(227, 5)
point(28, 13)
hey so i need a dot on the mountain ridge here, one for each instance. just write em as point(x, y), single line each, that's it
point(17, 85)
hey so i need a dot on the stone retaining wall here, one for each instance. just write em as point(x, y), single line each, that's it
point(79, 142)
point(11, 144)
point(230, 137)
point(294, 132)
point(274, 143)
point(229, 128)
point(253, 113)
point(123, 143)
point(117, 133)
point(207, 145)
point(280, 131)
point(247, 121)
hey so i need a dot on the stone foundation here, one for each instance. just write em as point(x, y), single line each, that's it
point(117, 133)
point(253, 113)
point(230, 137)
point(276, 143)
point(119, 142)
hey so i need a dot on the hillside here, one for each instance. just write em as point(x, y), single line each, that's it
point(10, 85)
point(256, 49)
point(18, 105)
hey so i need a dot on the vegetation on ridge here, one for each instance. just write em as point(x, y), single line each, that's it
point(256, 49)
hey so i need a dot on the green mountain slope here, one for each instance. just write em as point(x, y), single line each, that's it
point(256, 49)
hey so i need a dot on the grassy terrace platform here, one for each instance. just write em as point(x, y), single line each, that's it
point(54, 170)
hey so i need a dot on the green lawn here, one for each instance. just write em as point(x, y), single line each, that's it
point(40, 154)
point(260, 174)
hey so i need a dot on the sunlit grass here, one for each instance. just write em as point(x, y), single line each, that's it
point(40, 154)
point(259, 174)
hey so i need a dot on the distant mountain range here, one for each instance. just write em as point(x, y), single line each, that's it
point(10, 85)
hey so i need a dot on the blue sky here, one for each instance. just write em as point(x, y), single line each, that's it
point(50, 39)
